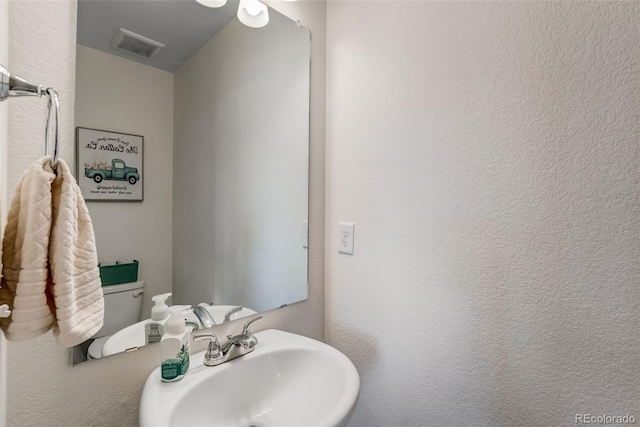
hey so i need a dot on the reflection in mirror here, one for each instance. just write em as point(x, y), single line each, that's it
point(223, 110)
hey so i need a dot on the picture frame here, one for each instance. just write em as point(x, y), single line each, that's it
point(109, 165)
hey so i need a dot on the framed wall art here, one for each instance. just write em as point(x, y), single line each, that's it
point(109, 165)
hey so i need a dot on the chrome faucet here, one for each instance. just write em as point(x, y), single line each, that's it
point(238, 345)
point(204, 317)
point(206, 320)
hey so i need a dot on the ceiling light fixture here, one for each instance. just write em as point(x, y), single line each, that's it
point(253, 14)
point(212, 3)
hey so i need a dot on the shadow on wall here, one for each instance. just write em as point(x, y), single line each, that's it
point(361, 347)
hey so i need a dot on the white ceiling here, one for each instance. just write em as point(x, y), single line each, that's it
point(183, 26)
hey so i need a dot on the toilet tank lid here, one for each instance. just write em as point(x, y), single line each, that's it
point(123, 287)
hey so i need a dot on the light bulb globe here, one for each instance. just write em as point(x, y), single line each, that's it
point(253, 13)
point(212, 3)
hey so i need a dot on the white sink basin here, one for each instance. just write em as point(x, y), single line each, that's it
point(288, 380)
point(133, 336)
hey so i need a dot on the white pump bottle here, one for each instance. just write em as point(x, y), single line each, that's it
point(154, 329)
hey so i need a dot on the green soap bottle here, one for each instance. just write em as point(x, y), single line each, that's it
point(174, 347)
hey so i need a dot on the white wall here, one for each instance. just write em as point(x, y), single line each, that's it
point(240, 166)
point(488, 154)
point(43, 390)
point(119, 95)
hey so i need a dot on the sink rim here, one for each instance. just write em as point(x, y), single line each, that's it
point(134, 335)
point(271, 341)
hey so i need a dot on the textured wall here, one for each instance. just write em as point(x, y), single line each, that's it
point(43, 390)
point(488, 154)
point(241, 167)
point(113, 93)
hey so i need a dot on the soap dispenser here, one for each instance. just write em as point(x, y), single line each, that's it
point(174, 347)
point(154, 329)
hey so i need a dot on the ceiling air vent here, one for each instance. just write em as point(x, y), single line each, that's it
point(135, 44)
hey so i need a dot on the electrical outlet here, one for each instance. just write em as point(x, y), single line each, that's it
point(305, 234)
point(346, 238)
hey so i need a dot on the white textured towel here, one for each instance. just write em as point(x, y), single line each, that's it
point(25, 253)
point(50, 271)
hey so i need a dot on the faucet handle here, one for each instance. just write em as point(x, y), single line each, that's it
point(246, 339)
point(245, 330)
point(228, 314)
point(203, 336)
point(214, 355)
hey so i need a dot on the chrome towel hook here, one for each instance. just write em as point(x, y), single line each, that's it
point(14, 86)
point(54, 104)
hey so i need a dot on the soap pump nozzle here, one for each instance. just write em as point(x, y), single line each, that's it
point(176, 323)
point(160, 310)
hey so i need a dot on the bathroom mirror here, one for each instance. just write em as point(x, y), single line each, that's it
point(223, 112)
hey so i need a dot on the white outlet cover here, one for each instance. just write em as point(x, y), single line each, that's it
point(347, 230)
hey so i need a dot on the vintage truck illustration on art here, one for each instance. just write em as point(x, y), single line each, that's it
point(118, 170)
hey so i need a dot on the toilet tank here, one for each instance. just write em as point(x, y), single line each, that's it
point(122, 305)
